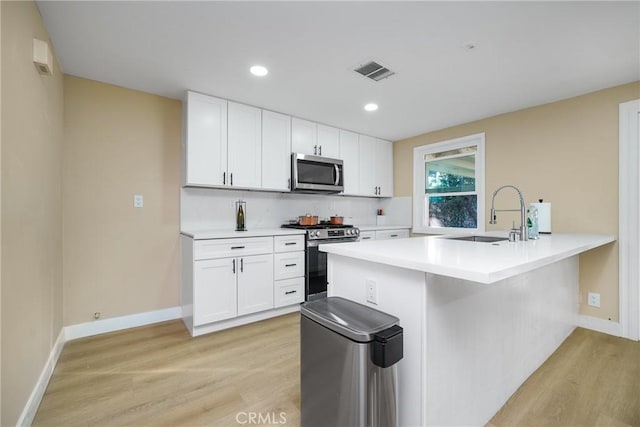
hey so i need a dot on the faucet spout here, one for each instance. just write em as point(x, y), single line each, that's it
point(523, 211)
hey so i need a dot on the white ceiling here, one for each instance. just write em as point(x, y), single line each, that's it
point(527, 53)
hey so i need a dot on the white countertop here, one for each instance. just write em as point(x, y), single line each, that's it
point(228, 234)
point(382, 227)
point(475, 261)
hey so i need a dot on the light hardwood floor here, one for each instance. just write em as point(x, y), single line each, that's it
point(159, 375)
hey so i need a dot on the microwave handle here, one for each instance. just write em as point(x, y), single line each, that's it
point(337, 169)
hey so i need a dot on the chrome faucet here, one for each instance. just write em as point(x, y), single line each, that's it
point(523, 211)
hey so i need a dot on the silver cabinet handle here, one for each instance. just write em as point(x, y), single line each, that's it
point(237, 247)
point(224, 178)
point(234, 266)
point(393, 235)
point(320, 151)
point(366, 238)
point(290, 243)
point(241, 265)
point(231, 178)
point(290, 292)
point(290, 265)
point(315, 150)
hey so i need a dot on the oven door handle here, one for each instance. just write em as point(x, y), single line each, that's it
point(315, 243)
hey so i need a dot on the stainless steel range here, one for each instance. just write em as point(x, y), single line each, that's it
point(316, 261)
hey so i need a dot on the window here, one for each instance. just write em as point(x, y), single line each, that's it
point(448, 186)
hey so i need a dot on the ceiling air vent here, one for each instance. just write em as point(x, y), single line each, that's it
point(374, 71)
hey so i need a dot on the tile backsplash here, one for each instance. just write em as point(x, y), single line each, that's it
point(206, 208)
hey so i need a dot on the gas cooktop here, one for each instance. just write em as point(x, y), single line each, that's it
point(321, 226)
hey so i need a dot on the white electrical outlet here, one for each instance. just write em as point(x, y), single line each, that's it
point(372, 291)
point(593, 299)
point(138, 200)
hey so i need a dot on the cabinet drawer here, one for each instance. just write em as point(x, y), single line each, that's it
point(290, 291)
point(367, 235)
point(288, 243)
point(223, 248)
point(392, 234)
point(288, 265)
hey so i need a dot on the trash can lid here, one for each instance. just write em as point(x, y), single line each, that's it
point(355, 321)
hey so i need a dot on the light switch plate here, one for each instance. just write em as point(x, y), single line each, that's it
point(138, 200)
point(593, 299)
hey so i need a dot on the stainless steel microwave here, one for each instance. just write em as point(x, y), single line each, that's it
point(314, 174)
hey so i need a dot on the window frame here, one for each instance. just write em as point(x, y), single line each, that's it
point(419, 205)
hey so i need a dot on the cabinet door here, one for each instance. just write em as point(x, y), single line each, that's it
point(384, 167)
point(328, 141)
point(368, 173)
point(244, 146)
point(255, 284)
point(214, 290)
point(350, 155)
point(205, 140)
point(304, 138)
point(276, 151)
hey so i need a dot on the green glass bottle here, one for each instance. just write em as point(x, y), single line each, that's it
point(240, 218)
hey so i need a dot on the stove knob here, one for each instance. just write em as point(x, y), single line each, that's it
point(349, 232)
point(357, 231)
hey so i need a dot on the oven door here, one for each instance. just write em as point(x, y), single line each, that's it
point(316, 281)
point(316, 174)
point(316, 284)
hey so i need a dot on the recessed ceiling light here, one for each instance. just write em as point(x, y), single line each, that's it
point(259, 70)
point(371, 107)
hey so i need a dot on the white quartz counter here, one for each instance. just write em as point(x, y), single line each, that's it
point(382, 227)
point(475, 261)
point(229, 234)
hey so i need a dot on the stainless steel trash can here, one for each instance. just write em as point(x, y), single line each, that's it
point(348, 359)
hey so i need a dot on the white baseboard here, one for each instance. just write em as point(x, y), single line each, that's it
point(82, 330)
point(600, 325)
point(97, 327)
point(31, 407)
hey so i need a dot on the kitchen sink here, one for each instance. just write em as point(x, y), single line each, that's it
point(483, 239)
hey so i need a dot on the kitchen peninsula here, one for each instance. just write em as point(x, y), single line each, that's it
point(478, 317)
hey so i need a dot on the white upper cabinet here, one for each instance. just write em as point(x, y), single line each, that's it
point(376, 167)
point(350, 155)
point(304, 136)
point(328, 141)
point(384, 168)
point(231, 145)
point(244, 146)
point(205, 140)
point(276, 151)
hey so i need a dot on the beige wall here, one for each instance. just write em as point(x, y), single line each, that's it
point(31, 208)
point(565, 152)
point(119, 260)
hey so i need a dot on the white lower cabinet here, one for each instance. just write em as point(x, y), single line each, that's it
point(255, 287)
point(227, 282)
point(214, 290)
point(395, 233)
